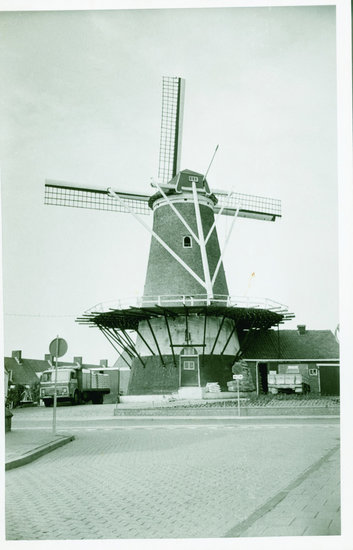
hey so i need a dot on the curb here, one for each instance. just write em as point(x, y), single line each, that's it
point(222, 417)
point(244, 412)
point(30, 456)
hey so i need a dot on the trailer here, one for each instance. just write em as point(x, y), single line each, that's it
point(290, 381)
point(74, 384)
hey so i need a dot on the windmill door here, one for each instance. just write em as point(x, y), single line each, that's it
point(189, 367)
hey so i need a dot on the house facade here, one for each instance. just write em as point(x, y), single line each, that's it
point(315, 352)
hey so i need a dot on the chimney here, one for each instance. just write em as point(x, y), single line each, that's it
point(48, 357)
point(103, 363)
point(78, 360)
point(301, 329)
point(17, 355)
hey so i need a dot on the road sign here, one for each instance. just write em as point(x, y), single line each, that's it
point(58, 347)
point(238, 376)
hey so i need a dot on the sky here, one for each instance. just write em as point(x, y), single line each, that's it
point(81, 102)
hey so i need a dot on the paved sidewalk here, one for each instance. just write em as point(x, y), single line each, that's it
point(23, 446)
point(309, 506)
point(180, 482)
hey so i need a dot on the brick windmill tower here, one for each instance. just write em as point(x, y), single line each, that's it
point(183, 331)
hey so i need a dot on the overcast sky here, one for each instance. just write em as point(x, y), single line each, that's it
point(81, 102)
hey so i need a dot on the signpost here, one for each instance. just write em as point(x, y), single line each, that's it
point(238, 377)
point(57, 348)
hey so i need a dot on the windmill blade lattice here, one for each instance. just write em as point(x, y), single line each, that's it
point(171, 127)
point(250, 206)
point(60, 193)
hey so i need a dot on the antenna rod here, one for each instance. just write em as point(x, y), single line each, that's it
point(209, 166)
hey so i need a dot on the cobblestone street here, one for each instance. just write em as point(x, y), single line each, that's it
point(172, 482)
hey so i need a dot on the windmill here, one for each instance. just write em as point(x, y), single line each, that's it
point(183, 332)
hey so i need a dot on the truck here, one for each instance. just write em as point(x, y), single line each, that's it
point(75, 384)
point(290, 381)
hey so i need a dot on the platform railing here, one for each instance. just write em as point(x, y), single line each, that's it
point(165, 300)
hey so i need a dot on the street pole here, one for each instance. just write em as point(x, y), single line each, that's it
point(56, 376)
point(238, 397)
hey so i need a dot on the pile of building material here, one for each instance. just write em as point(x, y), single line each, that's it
point(213, 387)
point(232, 385)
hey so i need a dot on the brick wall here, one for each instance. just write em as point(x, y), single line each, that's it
point(156, 379)
point(164, 274)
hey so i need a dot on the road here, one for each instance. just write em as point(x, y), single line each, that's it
point(68, 417)
point(122, 479)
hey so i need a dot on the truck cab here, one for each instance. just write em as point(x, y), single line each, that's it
point(66, 385)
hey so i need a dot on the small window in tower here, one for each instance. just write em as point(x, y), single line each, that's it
point(187, 242)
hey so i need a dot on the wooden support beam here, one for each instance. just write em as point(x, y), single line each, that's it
point(177, 213)
point(105, 331)
point(218, 333)
point(115, 338)
point(170, 340)
point(224, 248)
point(156, 342)
point(133, 347)
point(186, 326)
point(216, 218)
point(125, 344)
point(204, 338)
point(145, 342)
point(159, 239)
point(228, 339)
point(167, 310)
point(204, 258)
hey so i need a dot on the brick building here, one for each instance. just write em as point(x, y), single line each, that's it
point(316, 352)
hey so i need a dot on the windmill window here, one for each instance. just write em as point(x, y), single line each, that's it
point(187, 242)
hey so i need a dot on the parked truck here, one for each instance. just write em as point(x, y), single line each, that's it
point(290, 381)
point(74, 384)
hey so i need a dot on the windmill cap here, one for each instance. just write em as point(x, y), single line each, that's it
point(183, 181)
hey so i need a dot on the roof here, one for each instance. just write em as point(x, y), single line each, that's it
point(25, 371)
point(289, 344)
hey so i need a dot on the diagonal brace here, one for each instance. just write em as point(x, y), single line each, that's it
point(159, 239)
point(225, 246)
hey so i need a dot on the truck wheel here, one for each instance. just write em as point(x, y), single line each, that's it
point(76, 398)
point(48, 402)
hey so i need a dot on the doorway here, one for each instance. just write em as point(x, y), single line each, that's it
point(189, 367)
point(262, 378)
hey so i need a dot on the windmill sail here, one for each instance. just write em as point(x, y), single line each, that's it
point(250, 206)
point(171, 127)
point(59, 193)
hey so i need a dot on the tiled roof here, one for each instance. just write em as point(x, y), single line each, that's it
point(289, 344)
point(25, 372)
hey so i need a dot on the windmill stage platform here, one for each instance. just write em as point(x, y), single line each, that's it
point(179, 343)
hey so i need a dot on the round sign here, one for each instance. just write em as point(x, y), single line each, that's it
point(58, 347)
